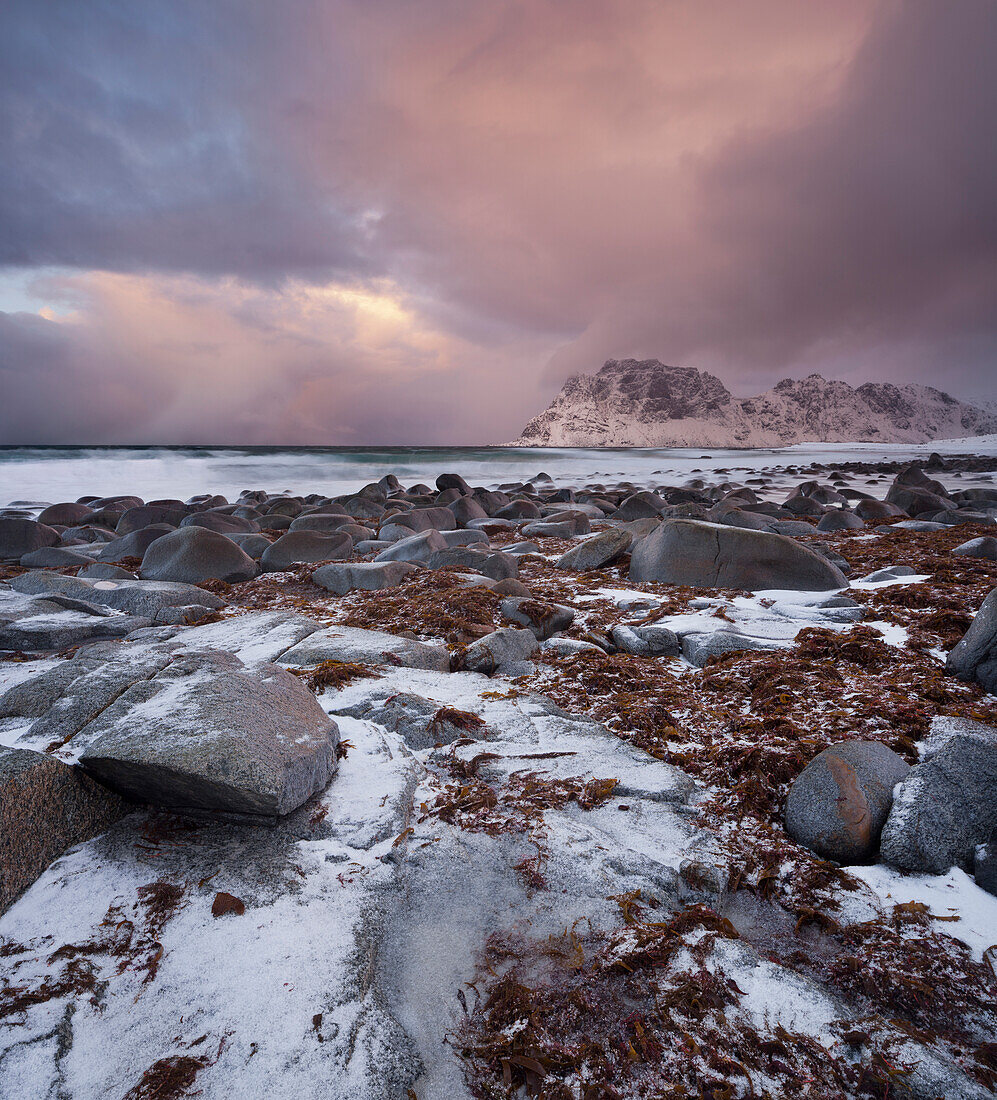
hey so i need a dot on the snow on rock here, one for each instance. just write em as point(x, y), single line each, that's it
point(631, 403)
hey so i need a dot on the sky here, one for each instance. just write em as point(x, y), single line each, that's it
point(409, 221)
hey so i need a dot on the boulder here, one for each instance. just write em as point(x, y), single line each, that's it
point(492, 564)
point(54, 557)
point(711, 555)
point(839, 803)
point(65, 515)
point(209, 734)
point(840, 520)
point(868, 508)
point(914, 501)
point(251, 543)
point(422, 723)
point(699, 648)
point(134, 544)
point(518, 510)
point(541, 618)
point(224, 523)
point(465, 509)
point(46, 807)
point(325, 522)
point(302, 546)
point(104, 571)
point(597, 552)
point(371, 576)
point(642, 505)
point(30, 624)
point(974, 658)
point(984, 548)
point(195, 554)
point(506, 650)
point(652, 640)
point(419, 548)
point(145, 515)
point(135, 597)
point(469, 537)
point(20, 536)
point(367, 647)
point(947, 805)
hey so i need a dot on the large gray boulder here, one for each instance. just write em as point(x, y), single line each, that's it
point(975, 657)
point(46, 806)
point(64, 514)
point(209, 734)
point(491, 563)
point(506, 650)
point(984, 548)
point(32, 624)
point(838, 804)
point(711, 555)
point(650, 640)
point(839, 520)
point(698, 649)
point(304, 546)
point(135, 543)
point(418, 548)
point(223, 522)
point(366, 647)
point(947, 805)
point(54, 557)
point(371, 576)
point(597, 552)
point(192, 555)
point(145, 515)
point(135, 597)
point(20, 536)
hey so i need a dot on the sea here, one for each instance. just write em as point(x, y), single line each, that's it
point(56, 474)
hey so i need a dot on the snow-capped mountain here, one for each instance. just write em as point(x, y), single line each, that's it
point(643, 403)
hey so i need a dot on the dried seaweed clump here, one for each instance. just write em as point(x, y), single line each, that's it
point(516, 807)
point(334, 674)
point(640, 1013)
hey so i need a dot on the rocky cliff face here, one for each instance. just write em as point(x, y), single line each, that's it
point(644, 403)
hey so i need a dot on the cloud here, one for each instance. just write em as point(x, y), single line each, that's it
point(191, 360)
point(360, 222)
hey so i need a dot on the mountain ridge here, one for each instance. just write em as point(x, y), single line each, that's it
point(645, 403)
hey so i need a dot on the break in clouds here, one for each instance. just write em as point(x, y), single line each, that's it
point(396, 222)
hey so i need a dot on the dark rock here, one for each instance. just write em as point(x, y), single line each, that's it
point(689, 552)
point(984, 548)
point(985, 865)
point(519, 509)
point(543, 619)
point(324, 522)
point(975, 656)
point(299, 547)
point(65, 515)
point(220, 522)
point(54, 557)
point(135, 544)
point(597, 552)
point(839, 803)
point(465, 509)
point(915, 501)
point(20, 536)
point(371, 576)
point(251, 543)
point(877, 509)
point(840, 520)
point(196, 554)
point(947, 804)
point(46, 806)
point(147, 514)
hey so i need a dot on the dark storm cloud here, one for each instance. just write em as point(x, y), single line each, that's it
point(139, 135)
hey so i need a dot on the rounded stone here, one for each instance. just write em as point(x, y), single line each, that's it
point(839, 803)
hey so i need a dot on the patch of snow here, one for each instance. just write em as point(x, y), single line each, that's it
point(952, 894)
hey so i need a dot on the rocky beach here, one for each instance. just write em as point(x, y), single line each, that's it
point(584, 790)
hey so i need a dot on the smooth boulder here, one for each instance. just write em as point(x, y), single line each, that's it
point(597, 552)
point(839, 803)
point(20, 536)
point(371, 576)
point(302, 547)
point(947, 805)
point(974, 658)
point(210, 734)
point(195, 554)
point(711, 555)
